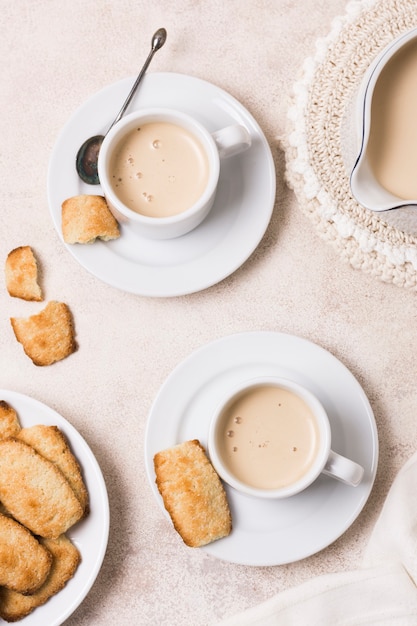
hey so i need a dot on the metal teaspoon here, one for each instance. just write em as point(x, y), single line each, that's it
point(87, 156)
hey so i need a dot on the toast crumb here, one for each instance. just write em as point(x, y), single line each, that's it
point(22, 274)
point(192, 493)
point(47, 336)
point(86, 218)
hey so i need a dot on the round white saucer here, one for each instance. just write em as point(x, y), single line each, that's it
point(236, 224)
point(270, 532)
point(90, 535)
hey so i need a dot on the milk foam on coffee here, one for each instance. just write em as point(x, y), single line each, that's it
point(159, 169)
point(269, 437)
point(392, 146)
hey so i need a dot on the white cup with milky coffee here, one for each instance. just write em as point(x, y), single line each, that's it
point(159, 170)
point(271, 438)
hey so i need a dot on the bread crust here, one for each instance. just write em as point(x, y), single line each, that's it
point(86, 218)
point(48, 336)
point(24, 562)
point(192, 493)
point(65, 560)
point(22, 274)
point(35, 492)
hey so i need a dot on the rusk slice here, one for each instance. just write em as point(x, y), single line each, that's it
point(24, 562)
point(22, 274)
point(192, 493)
point(9, 421)
point(47, 336)
point(35, 492)
point(65, 559)
point(86, 218)
point(52, 445)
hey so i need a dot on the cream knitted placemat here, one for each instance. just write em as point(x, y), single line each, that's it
point(322, 142)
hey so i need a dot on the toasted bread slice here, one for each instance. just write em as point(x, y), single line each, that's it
point(9, 421)
point(22, 274)
point(86, 218)
point(52, 445)
point(3, 510)
point(47, 336)
point(66, 558)
point(24, 562)
point(35, 491)
point(192, 493)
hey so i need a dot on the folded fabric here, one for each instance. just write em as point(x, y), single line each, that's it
point(394, 537)
point(382, 592)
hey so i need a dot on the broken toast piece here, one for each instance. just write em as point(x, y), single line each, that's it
point(65, 560)
point(24, 562)
point(86, 218)
point(48, 336)
point(192, 493)
point(35, 492)
point(22, 274)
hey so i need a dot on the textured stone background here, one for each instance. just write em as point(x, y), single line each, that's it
point(56, 54)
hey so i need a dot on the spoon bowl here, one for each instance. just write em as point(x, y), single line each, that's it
point(87, 156)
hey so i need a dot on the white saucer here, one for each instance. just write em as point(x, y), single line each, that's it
point(271, 532)
point(90, 535)
point(236, 224)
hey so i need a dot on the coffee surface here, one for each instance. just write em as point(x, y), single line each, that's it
point(392, 146)
point(159, 169)
point(269, 437)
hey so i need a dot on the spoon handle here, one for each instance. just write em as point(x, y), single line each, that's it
point(157, 42)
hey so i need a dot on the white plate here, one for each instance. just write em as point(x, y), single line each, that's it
point(271, 532)
point(90, 535)
point(236, 224)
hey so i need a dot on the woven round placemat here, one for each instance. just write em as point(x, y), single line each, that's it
point(322, 140)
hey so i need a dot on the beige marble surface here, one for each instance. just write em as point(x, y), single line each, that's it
point(55, 54)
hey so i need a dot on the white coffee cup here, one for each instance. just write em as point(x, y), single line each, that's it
point(282, 433)
point(215, 146)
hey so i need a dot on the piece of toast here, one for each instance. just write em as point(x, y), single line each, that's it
point(65, 560)
point(24, 562)
point(86, 218)
point(9, 421)
point(35, 492)
point(22, 274)
point(50, 442)
point(47, 336)
point(192, 493)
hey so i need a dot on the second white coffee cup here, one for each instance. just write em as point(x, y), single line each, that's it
point(159, 170)
point(271, 438)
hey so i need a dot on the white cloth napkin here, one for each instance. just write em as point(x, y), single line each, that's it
point(382, 592)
